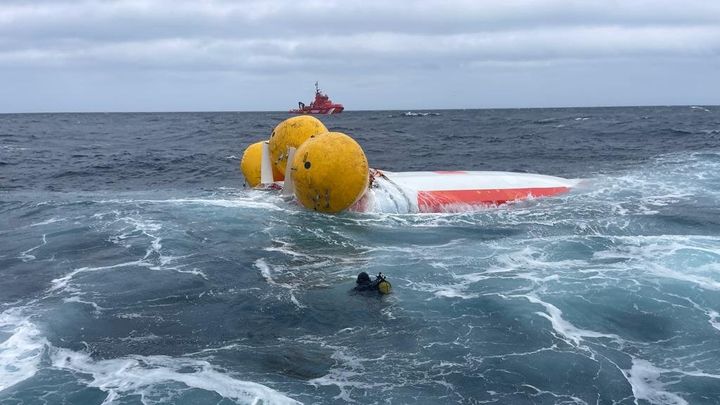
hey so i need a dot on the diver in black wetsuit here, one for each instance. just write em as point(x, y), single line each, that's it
point(380, 284)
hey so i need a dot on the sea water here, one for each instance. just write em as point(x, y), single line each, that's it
point(136, 268)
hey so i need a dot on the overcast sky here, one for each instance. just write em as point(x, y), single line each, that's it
point(183, 55)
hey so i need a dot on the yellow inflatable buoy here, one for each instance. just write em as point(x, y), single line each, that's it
point(384, 287)
point(250, 165)
point(330, 172)
point(291, 133)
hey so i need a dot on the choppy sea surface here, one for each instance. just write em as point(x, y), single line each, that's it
point(136, 268)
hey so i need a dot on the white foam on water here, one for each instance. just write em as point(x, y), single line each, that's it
point(10, 147)
point(699, 108)
point(102, 215)
point(532, 257)
point(143, 338)
point(688, 258)
point(153, 252)
point(559, 398)
point(76, 298)
point(225, 197)
point(714, 319)
point(386, 197)
point(25, 256)
point(286, 248)
point(253, 200)
point(140, 375)
point(564, 328)
point(141, 225)
point(342, 379)
point(667, 180)
point(521, 263)
point(644, 378)
point(226, 203)
point(61, 283)
point(179, 269)
point(266, 272)
point(633, 195)
point(136, 227)
point(167, 259)
point(346, 374)
point(153, 259)
point(713, 316)
point(48, 221)
point(155, 247)
point(458, 288)
point(701, 281)
point(21, 352)
point(132, 315)
point(450, 292)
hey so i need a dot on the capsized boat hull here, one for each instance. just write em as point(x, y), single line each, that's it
point(427, 192)
point(447, 191)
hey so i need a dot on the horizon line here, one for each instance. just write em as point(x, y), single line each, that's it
point(359, 110)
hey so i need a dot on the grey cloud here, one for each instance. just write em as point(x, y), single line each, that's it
point(134, 20)
point(367, 50)
point(498, 30)
point(400, 47)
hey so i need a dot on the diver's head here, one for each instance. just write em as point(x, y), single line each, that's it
point(363, 278)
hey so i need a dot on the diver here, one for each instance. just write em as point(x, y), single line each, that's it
point(380, 284)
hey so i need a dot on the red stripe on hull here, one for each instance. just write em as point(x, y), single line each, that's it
point(438, 201)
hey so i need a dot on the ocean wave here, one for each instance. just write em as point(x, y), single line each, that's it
point(161, 378)
point(195, 294)
point(21, 348)
point(155, 378)
point(415, 114)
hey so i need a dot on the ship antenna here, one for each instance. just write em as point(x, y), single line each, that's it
point(317, 89)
